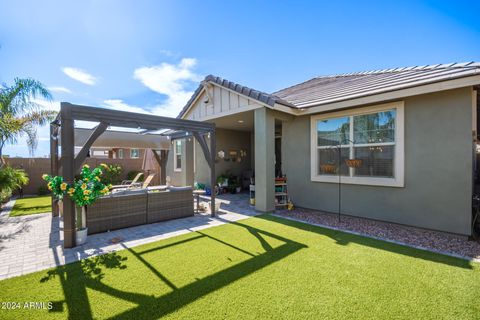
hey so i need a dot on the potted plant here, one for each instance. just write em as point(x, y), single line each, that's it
point(353, 163)
point(84, 190)
point(222, 180)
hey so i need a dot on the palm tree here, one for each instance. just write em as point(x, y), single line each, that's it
point(20, 114)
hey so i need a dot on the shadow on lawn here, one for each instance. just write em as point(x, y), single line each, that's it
point(343, 238)
point(75, 278)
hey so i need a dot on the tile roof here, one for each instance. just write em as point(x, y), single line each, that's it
point(333, 88)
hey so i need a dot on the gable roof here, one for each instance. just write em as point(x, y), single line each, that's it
point(266, 98)
point(333, 88)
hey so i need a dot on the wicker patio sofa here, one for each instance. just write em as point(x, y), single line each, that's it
point(133, 208)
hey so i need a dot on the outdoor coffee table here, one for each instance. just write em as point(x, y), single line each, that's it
point(196, 194)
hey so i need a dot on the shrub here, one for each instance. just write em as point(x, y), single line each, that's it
point(132, 174)
point(5, 195)
point(112, 174)
point(12, 179)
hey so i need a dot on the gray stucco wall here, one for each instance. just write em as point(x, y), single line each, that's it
point(185, 176)
point(226, 140)
point(438, 168)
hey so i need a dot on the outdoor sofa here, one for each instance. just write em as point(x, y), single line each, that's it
point(136, 207)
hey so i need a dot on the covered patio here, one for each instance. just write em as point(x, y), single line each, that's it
point(144, 127)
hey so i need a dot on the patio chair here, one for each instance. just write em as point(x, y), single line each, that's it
point(148, 180)
point(129, 183)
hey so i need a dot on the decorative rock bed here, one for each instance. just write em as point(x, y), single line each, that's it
point(437, 241)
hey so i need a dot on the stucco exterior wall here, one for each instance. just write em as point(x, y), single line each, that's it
point(185, 176)
point(438, 168)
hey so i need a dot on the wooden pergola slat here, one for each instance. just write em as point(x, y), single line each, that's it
point(106, 117)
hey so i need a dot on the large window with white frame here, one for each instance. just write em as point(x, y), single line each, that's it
point(177, 155)
point(361, 146)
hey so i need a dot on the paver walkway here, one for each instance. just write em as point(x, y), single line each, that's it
point(33, 243)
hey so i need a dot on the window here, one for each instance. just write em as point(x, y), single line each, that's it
point(177, 155)
point(134, 153)
point(120, 153)
point(363, 146)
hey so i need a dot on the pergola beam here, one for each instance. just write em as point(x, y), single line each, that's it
point(136, 120)
point(203, 144)
point(82, 155)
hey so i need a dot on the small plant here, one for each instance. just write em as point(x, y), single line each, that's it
point(112, 174)
point(84, 190)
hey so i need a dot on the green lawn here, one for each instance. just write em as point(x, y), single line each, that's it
point(263, 267)
point(31, 205)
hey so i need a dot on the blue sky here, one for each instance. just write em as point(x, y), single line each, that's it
point(148, 56)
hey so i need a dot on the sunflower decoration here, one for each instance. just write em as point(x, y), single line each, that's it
point(85, 190)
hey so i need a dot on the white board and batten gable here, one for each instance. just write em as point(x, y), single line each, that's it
point(215, 101)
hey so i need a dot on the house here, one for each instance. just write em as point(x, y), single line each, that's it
point(116, 153)
point(411, 131)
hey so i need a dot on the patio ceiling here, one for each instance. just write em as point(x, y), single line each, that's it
point(243, 121)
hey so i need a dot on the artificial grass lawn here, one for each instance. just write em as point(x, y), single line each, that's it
point(263, 267)
point(33, 205)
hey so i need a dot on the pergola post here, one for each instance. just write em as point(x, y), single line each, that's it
point(212, 170)
point(54, 163)
point(68, 163)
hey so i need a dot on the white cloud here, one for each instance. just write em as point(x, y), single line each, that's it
point(47, 105)
point(117, 104)
point(80, 75)
point(59, 89)
point(171, 80)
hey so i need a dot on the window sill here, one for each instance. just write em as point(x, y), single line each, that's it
point(177, 170)
point(380, 182)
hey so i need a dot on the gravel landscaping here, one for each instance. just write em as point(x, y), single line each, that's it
point(426, 239)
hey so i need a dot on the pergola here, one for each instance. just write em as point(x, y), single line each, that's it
point(69, 164)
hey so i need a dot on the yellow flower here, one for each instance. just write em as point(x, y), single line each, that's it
point(63, 186)
point(84, 186)
point(86, 166)
point(97, 178)
point(86, 192)
point(85, 198)
point(45, 176)
point(109, 186)
point(50, 188)
point(104, 165)
point(86, 179)
point(71, 191)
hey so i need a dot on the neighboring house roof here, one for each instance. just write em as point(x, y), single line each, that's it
point(333, 88)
